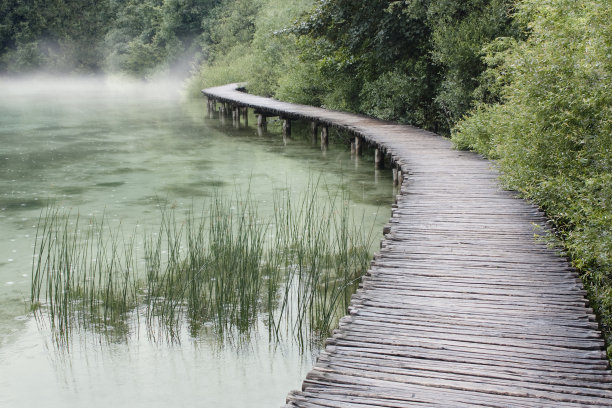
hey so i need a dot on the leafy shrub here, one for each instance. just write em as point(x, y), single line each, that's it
point(246, 42)
point(399, 96)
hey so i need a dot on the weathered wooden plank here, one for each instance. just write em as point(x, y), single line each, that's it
point(503, 331)
point(434, 372)
point(476, 336)
point(432, 355)
point(447, 395)
point(577, 358)
point(582, 380)
point(479, 317)
point(465, 384)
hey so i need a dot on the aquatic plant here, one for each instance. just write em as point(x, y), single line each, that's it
point(85, 274)
point(224, 268)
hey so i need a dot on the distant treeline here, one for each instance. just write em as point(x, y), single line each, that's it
point(136, 37)
point(526, 82)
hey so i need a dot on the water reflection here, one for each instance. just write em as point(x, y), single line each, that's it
point(98, 146)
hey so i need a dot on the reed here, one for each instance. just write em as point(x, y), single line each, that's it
point(226, 267)
point(84, 274)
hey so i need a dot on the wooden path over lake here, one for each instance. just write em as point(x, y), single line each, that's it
point(461, 307)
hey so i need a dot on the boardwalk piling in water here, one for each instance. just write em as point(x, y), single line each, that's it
point(324, 137)
point(358, 146)
point(286, 127)
point(212, 108)
point(378, 158)
point(314, 132)
point(245, 114)
point(236, 116)
point(261, 122)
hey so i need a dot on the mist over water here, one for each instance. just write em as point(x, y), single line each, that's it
point(125, 149)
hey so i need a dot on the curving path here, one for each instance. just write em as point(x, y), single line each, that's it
point(461, 307)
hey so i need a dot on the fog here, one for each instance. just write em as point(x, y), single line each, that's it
point(162, 87)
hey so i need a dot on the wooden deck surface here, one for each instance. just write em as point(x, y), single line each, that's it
point(461, 307)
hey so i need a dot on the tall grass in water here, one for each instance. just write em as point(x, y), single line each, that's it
point(226, 268)
point(85, 274)
point(216, 278)
point(325, 253)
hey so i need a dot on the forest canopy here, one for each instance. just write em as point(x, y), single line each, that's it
point(135, 37)
point(525, 82)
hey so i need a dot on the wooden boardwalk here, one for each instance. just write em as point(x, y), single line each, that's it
point(461, 307)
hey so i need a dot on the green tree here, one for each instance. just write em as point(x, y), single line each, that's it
point(137, 37)
point(59, 35)
point(460, 29)
point(248, 41)
point(412, 61)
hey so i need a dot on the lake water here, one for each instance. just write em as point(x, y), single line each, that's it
point(96, 146)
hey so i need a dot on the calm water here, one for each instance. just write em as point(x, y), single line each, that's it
point(99, 146)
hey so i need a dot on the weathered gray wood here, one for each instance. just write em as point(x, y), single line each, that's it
point(236, 116)
point(324, 137)
point(461, 307)
point(261, 122)
point(358, 145)
point(378, 158)
point(286, 127)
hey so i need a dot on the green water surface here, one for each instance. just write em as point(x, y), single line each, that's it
point(100, 146)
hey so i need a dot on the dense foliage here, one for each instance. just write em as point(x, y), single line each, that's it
point(137, 37)
point(247, 42)
point(412, 61)
point(552, 131)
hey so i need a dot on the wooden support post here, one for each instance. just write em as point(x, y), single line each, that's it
point(324, 137)
point(379, 158)
point(212, 108)
point(222, 113)
point(261, 122)
point(395, 176)
point(352, 147)
point(314, 127)
point(236, 116)
point(357, 145)
point(245, 114)
point(286, 127)
point(400, 177)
